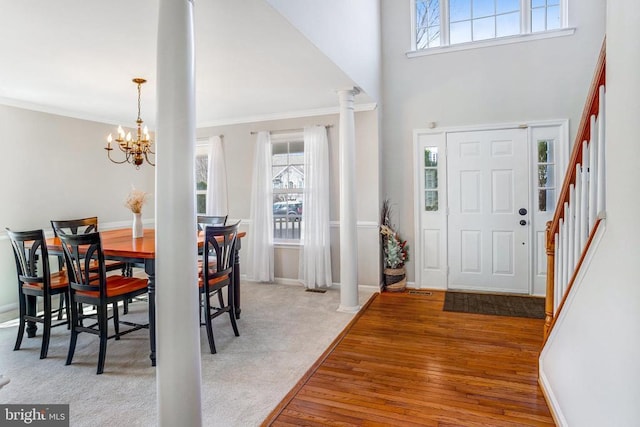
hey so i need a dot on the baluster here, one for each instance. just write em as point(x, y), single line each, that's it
point(577, 213)
point(565, 248)
point(557, 278)
point(593, 182)
point(584, 197)
point(571, 222)
point(601, 154)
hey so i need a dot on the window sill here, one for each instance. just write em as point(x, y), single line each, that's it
point(493, 42)
point(287, 244)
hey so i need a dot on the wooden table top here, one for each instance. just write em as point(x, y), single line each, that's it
point(119, 243)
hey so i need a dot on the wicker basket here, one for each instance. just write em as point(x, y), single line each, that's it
point(395, 279)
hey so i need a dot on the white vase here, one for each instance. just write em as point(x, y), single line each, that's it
point(136, 228)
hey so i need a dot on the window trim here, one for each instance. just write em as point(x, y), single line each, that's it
point(524, 36)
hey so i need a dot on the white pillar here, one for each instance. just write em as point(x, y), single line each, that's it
point(177, 322)
point(348, 213)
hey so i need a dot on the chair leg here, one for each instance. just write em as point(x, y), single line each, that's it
point(103, 324)
point(220, 299)
point(23, 311)
point(46, 332)
point(60, 306)
point(209, 322)
point(75, 322)
point(116, 320)
point(67, 299)
point(232, 311)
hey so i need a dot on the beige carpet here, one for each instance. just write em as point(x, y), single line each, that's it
point(283, 330)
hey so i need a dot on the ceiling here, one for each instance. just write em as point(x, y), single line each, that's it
point(77, 58)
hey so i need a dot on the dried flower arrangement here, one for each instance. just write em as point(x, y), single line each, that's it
point(396, 250)
point(135, 200)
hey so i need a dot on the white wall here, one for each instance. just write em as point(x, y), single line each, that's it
point(348, 32)
point(590, 363)
point(534, 80)
point(239, 149)
point(55, 167)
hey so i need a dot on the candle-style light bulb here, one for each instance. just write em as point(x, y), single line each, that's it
point(120, 132)
point(109, 139)
point(128, 136)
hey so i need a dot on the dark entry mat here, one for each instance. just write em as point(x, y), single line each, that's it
point(500, 305)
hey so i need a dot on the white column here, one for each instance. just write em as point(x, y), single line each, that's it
point(348, 213)
point(177, 322)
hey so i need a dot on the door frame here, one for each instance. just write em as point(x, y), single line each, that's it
point(436, 276)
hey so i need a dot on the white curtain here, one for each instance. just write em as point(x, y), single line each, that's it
point(217, 179)
point(260, 237)
point(315, 256)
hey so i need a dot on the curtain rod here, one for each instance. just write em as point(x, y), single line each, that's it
point(287, 130)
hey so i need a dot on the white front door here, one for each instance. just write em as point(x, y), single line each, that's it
point(488, 222)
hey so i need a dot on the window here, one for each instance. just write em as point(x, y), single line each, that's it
point(451, 22)
point(546, 176)
point(202, 174)
point(431, 179)
point(287, 164)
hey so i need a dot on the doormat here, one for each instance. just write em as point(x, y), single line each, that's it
point(499, 305)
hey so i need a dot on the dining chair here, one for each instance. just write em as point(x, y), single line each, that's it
point(220, 244)
point(35, 281)
point(90, 285)
point(84, 226)
point(204, 220)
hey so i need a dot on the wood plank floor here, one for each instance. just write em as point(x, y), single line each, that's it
point(404, 362)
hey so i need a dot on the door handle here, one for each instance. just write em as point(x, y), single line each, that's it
point(523, 222)
point(522, 211)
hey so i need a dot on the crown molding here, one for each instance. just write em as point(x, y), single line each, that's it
point(49, 109)
point(285, 115)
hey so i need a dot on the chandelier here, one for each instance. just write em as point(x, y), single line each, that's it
point(137, 150)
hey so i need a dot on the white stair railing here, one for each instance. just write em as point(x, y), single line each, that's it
point(582, 200)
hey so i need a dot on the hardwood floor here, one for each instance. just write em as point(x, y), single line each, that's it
point(404, 361)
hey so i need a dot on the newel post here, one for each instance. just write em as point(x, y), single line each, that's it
point(548, 306)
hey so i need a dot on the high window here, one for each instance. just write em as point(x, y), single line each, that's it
point(440, 23)
point(287, 164)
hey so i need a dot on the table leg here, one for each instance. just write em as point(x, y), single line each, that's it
point(236, 279)
point(32, 310)
point(150, 269)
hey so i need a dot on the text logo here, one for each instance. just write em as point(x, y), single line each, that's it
point(34, 415)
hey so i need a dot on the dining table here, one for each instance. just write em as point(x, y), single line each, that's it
point(119, 244)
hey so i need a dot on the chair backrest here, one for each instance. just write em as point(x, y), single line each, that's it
point(219, 242)
point(30, 252)
point(75, 226)
point(217, 221)
point(80, 252)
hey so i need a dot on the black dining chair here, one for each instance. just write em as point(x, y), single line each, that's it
point(89, 225)
point(219, 244)
point(35, 281)
point(83, 226)
point(91, 285)
point(217, 221)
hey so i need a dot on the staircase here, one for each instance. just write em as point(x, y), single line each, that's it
point(581, 204)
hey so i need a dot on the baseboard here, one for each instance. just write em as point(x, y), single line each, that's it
point(552, 402)
point(8, 307)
